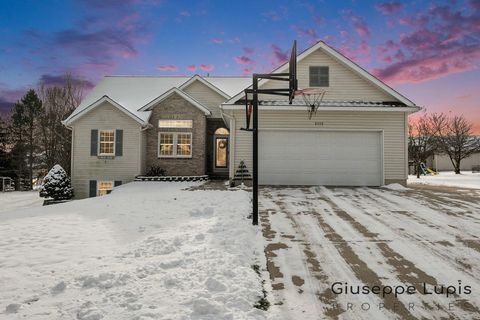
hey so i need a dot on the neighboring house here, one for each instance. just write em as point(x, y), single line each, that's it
point(442, 162)
point(191, 126)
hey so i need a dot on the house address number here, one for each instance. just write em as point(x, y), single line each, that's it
point(319, 123)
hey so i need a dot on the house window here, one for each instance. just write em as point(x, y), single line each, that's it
point(104, 187)
point(319, 77)
point(175, 144)
point(107, 143)
point(175, 123)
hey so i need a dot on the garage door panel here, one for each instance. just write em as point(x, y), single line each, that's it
point(320, 158)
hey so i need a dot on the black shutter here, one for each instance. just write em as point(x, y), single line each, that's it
point(117, 183)
point(94, 142)
point(93, 188)
point(118, 142)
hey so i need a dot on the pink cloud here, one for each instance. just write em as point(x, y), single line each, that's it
point(310, 34)
point(207, 67)
point(169, 68)
point(438, 44)
point(360, 26)
point(389, 8)
point(234, 40)
point(421, 69)
point(243, 60)
point(360, 53)
point(192, 67)
point(217, 41)
point(185, 13)
point(248, 71)
point(278, 55)
point(248, 50)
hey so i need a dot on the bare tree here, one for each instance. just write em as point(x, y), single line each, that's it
point(454, 137)
point(421, 141)
point(59, 101)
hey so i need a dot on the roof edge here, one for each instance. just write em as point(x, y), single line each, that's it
point(171, 91)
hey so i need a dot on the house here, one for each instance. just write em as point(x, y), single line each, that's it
point(192, 126)
point(441, 162)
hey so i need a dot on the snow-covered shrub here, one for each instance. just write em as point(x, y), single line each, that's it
point(56, 185)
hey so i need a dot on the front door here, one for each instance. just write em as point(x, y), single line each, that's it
point(221, 153)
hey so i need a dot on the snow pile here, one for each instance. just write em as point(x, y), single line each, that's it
point(449, 179)
point(56, 185)
point(146, 251)
point(395, 187)
point(15, 200)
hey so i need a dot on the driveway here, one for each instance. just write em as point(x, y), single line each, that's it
point(317, 236)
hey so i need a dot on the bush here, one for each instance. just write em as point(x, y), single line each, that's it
point(56, 185)
point(155, 171)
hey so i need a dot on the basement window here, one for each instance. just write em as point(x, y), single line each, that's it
point(319, 76)
point(104, 187)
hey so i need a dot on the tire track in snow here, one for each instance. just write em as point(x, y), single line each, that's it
point(407, 271)
point(359, 267)
point(270, 214)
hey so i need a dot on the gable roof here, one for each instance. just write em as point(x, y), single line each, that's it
point(182, 94)
point(208, 84)
point(134, 92)
point(343, 60)
point(142, 118)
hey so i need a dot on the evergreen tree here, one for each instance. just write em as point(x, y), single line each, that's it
point(56, 185)
point(24, 120)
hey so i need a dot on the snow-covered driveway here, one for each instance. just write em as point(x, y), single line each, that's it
point(318, 236)
point(149, 250)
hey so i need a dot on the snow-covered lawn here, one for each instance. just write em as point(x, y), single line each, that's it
point(449, 179)
point(149, 250)
point(371, 236)
point(15, 200)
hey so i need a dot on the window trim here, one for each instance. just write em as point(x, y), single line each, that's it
point(99, 182)
point(310, 76)
point(175, 144)
point(99, 143)
point(190, 126)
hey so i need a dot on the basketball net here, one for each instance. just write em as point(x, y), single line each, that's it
point(313, 98)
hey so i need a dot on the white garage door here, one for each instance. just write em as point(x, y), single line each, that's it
point(332, 158)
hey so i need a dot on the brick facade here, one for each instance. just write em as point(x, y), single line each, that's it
point(175, 107)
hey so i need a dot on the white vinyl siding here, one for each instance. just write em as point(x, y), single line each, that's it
point(391, 123)
point(206, 96)
point(344, 84)
point(86, 168)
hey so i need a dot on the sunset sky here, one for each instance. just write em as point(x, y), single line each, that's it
point(429, 51)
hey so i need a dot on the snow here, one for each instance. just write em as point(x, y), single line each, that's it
point(149, 250)
point(370, 235)
point(448, 179)
point(14, 200)
point(395, 186)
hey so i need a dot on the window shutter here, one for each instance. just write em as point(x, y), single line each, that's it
point(93, 188)
point(117, 183)
point(94, 142)
point(118, 142)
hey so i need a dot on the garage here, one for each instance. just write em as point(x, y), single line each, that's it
point(331, 158)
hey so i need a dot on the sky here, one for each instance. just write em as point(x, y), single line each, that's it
point(427, 50)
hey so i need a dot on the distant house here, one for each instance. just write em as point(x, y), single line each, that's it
point(441, 162)
point(191, 126)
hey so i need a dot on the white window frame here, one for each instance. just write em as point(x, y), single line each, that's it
point(175, 143)
point(100, 142)
point(309, 76)
point(106, 190)
point(175, 123)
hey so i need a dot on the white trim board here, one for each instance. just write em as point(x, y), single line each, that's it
point(97, 103)
point(182, 94)
point(409, 109)
point(205, 82)
point(342, 59)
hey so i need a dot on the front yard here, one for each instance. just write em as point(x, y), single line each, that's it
point(153, 250)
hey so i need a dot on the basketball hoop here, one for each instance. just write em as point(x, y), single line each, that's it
point(312, 97)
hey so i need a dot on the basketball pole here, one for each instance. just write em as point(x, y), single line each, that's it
point(255, 150)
